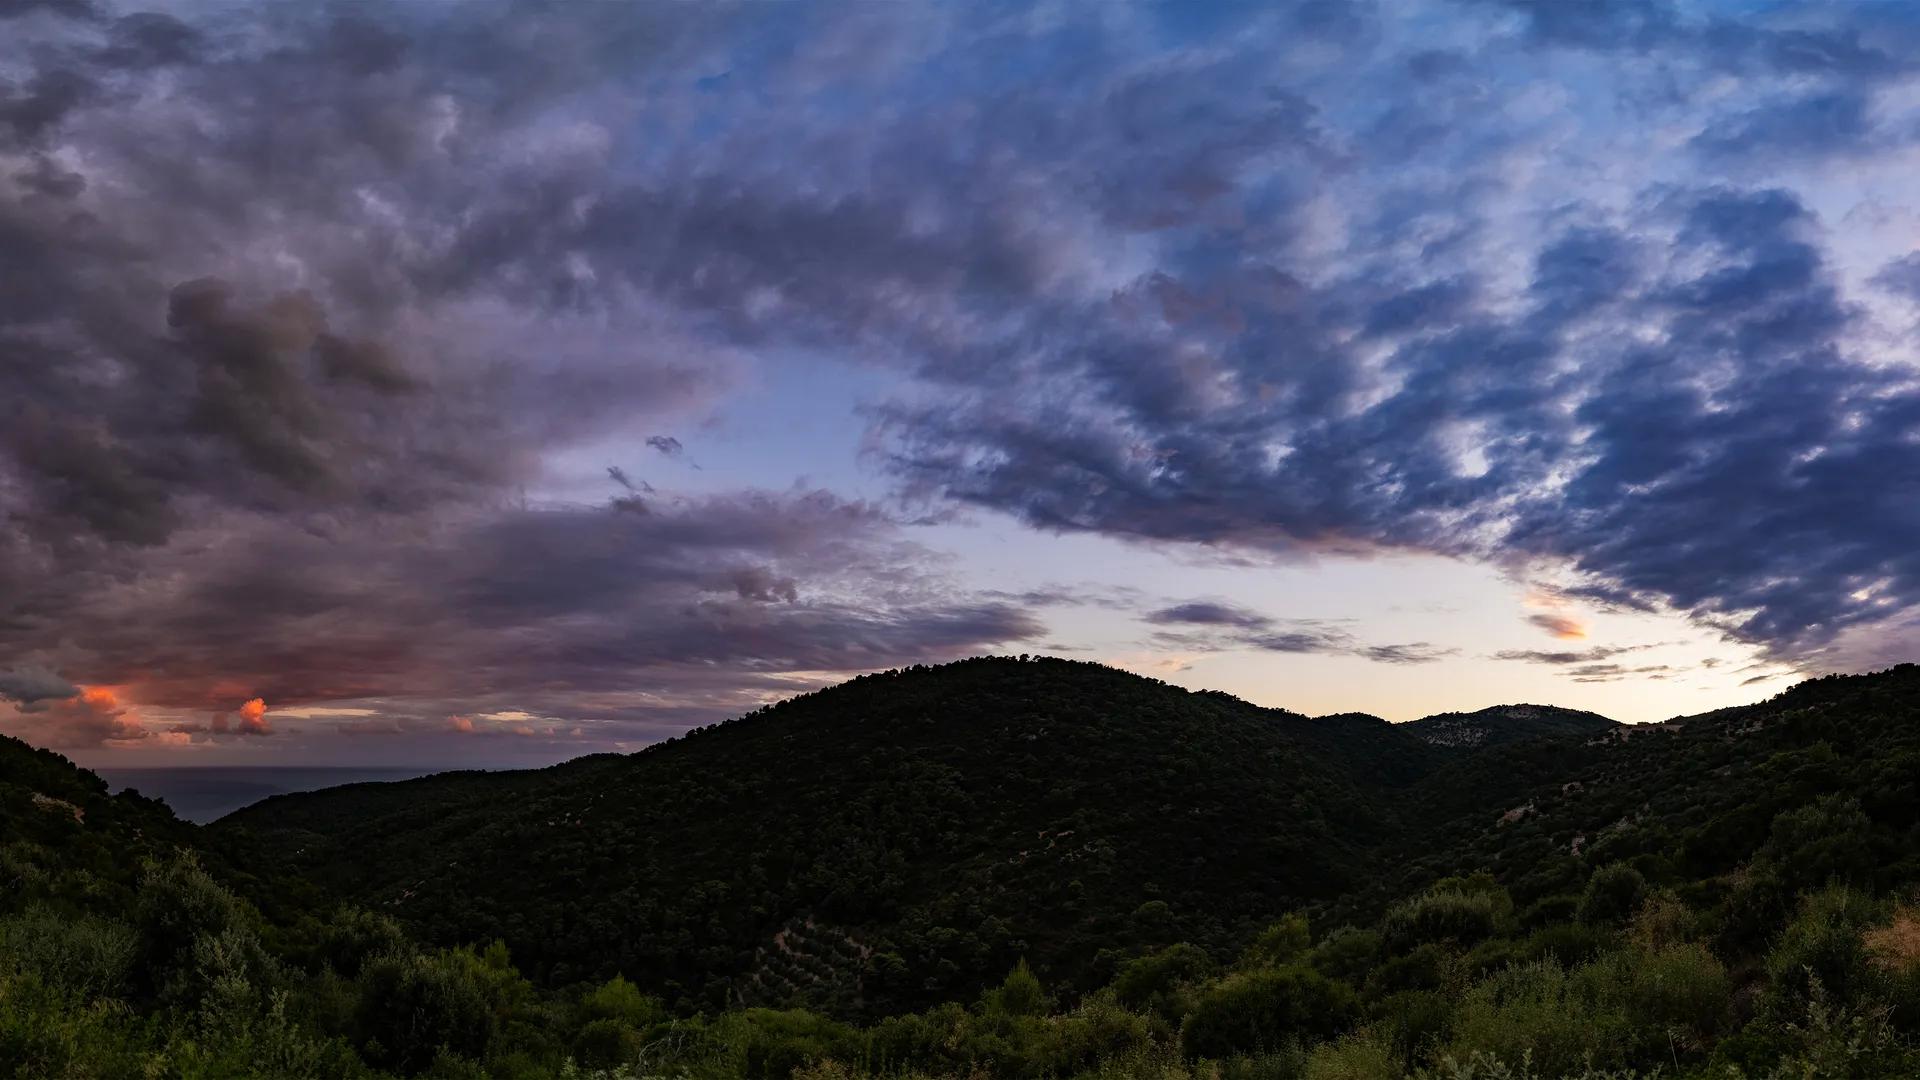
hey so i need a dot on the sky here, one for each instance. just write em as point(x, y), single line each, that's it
point(493, 383)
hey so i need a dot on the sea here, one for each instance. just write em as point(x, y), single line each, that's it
point(204, 793)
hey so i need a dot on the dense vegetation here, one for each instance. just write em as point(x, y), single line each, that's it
point(909, 832)
point(859, 884)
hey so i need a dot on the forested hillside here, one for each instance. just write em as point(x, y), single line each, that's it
point(901, 836)
point(859, 883)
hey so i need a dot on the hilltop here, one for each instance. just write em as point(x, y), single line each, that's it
point(894, 840)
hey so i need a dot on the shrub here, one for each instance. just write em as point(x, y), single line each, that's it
point(1538, 1012)
point(618, 999)
point(354, 935)
point(1663, 921)
point(1020, 994)
point(87, 957)
point(413, 1006)
point(1414, 1022)
point(1681, 993)
point(1154, 983)
point(176, 905)
point(1822, 842)
point(1568, 943)
point(1463, 918)
point(1612, 896)
point(1429, 967)
point(1550, 910)
point(1823, 946)
point(1281, 943)
point(1347, 954)
point(1266, 1010)
point(1356, 1057)
point(604, 1044)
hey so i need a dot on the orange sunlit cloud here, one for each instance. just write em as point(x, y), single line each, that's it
point(253, 718)
point(100, 698)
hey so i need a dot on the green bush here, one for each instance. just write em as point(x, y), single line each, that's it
point(1429, 967)
point(1281, 943)
point(412, 1006)
point(604, 1044)
point(1568, 943)
point(1347, 953)
point(1823, 947)
point(1451, 915)
point(1612, 896)
point(355, 935)
point(1825, 841)
point(176, 905)
point(1414, 1022)
point(618, 999)
point(1157, 983)
point(1020, 994)
point(1539, 1012)
point(1356, 1057)
point(87, 957)
point(1265, 1010)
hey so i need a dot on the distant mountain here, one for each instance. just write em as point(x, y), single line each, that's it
point(1507, 723)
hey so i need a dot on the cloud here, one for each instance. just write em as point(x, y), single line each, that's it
point(1810, 125)
point(92, 718)
point(1565, 627)
point(1592, 673)
point(308, 313)
point(1208, 613)
point(1418, 652)
point(30, 686)
point(252, 717)
point(1583, 656)
point(1220, 625)
point(584, 613)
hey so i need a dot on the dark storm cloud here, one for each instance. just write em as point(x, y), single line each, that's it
point(295, 304)
point(30, 686)
point(545, 603)
point(334, 288)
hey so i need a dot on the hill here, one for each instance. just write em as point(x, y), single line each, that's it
point(1726, 895)
point(1507, 723)
point(65, 836)
point(892, 837)
point(886, 843)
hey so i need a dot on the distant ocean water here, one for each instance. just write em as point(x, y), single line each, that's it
point(203, 793)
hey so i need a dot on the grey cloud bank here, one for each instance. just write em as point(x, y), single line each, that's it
point(298, 305)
